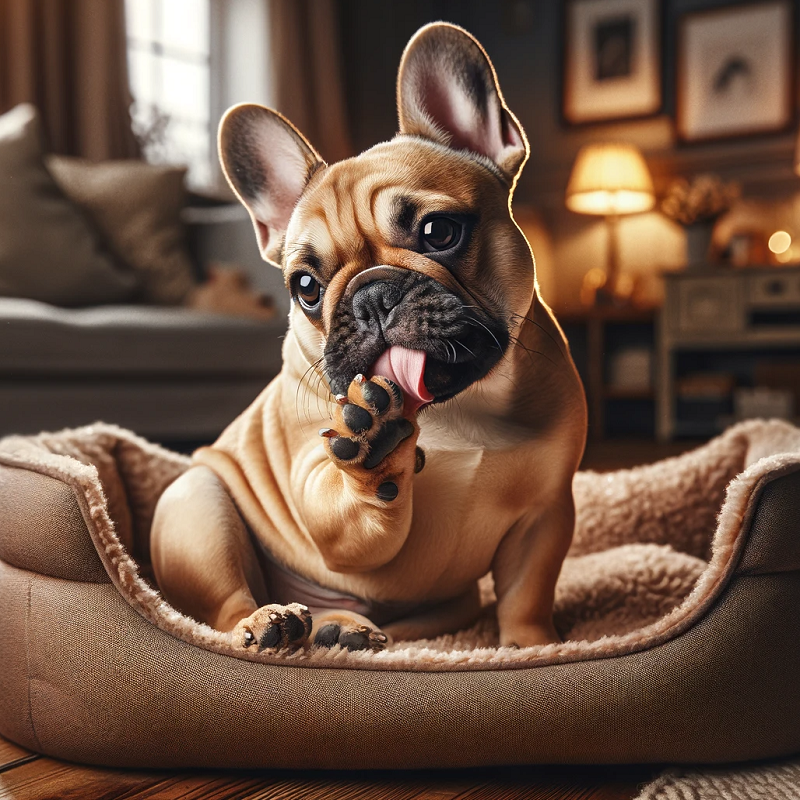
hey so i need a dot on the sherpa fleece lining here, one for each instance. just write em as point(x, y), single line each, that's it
point(653, 548)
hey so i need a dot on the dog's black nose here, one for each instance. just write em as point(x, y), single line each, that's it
point(375, 301)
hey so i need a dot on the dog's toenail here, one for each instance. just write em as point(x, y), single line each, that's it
point(379, 637)
point(271, 637)
point(341, 399)
point(249, 639)
point(360, 378)
point(328, 433)
point(327, 635)
point(387, 491)
point(419, 460)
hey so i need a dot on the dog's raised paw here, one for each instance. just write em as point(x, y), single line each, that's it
point(274, 627)
point(368, 426)
point(352, 636)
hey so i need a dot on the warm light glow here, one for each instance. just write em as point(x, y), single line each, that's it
point(779, 242)
point(610, 179)
point(593, 280)
point(789, 256)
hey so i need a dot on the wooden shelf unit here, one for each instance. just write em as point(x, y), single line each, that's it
point(727, 322)
point(594, 336)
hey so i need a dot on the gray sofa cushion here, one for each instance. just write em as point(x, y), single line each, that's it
point(48, 251)
point(137, 208)
point(37, 339)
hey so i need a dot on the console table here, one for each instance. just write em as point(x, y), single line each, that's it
point(722, 321)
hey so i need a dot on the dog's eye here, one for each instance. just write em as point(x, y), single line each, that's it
point(440, 233)
point(308, 291)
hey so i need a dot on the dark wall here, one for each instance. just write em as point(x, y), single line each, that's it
point(524, 40)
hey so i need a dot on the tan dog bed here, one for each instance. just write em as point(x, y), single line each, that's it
point(679, 606)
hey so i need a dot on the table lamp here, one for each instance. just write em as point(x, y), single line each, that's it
point(610, 179)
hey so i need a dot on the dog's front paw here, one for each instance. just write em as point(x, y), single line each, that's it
point(274, 627)
point(371, 436)
point(351, 631)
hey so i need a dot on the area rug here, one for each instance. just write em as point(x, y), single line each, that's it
point(776, 780)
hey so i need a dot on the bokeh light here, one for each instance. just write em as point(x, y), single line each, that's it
point(779, 242)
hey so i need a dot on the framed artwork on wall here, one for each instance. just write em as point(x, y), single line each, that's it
point(612, 60)
point(735, 72)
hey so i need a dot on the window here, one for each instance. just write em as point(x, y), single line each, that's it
point(169, 68)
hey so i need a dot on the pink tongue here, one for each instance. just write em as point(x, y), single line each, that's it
point(407, 369)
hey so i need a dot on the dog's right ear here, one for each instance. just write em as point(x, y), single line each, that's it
point(268, 163)
point(447, 91)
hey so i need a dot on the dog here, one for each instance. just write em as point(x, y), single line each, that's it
point(427, 420)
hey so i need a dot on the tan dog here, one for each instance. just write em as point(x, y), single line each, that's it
point(404, 264)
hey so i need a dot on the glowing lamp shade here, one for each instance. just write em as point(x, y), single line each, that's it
point(610, 179)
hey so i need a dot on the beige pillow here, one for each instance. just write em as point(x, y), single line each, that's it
point(136, 207)
point(48, 249)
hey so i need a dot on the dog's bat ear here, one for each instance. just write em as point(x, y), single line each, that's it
point(268, 163)
point(447, 90)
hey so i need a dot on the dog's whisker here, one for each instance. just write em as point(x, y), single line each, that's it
point(302, 384)
point(465, 347)
point(555, 341)
point(531, 351)
point(489, 332)
point(307, 387)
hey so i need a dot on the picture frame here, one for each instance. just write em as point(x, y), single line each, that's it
point(735, 71)
point(612, 60)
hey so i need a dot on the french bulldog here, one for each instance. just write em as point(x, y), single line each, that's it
point(427, 420)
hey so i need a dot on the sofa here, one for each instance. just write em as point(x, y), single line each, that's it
point(102, 269)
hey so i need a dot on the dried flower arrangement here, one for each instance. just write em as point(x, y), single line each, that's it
point(702, 199)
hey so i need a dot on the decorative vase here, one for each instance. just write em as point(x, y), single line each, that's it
point(698, 243)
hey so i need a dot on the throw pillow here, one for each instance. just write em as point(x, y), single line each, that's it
point(48, 250)
point(136, 207)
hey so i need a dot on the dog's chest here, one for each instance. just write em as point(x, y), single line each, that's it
point(457, 524)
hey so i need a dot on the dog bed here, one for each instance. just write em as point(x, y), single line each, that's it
point(678, 604)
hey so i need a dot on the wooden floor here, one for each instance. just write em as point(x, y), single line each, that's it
point(27, 776)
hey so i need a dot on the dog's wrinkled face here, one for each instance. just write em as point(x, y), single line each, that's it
point(403, 261)
point(409, 244)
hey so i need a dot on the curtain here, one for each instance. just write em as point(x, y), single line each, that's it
point(308, 80)
point(68, 58)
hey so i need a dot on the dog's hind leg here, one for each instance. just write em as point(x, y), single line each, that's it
point(206, 567)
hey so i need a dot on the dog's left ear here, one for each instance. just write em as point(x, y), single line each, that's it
point(268, 163)
point(447, 91)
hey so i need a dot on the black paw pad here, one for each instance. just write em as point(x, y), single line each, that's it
point(327, 635)
point(419, 460)
point(387, 491)
point(359, 420)
point(376, 396)
point(392, 433)
point(354, 640)
point(396, 391)
point(295, 629)
point(344, 448)
point(271, 637)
